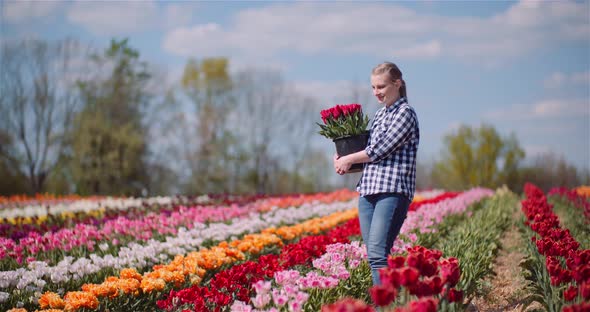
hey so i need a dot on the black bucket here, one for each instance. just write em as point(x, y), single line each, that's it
point(352, 144)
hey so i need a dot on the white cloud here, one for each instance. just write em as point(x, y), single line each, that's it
point(20, 11)
point(330, 93)
point(426, 50)
point(582, 78)
point(543, 110)
point(558, 79)
point(176, 15)
point(114, 18)
point(349, 28)
point(187, 41)
point(561, 108)
point(555, 80)
point(125, 17)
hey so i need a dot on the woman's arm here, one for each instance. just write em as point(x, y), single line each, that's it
point(342, 164)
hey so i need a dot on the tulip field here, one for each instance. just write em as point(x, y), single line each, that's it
point(298, 252)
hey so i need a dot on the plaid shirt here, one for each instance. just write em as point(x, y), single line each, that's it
point(392, 147)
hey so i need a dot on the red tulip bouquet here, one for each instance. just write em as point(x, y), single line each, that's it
point(343, 120)
point(346, 125)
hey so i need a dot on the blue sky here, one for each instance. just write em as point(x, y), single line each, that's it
point(520, 66)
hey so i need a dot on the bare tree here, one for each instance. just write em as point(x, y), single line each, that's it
point(38, 101)
point(260, 96)
point(276, 123)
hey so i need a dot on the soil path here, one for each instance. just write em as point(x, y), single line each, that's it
point(505, 290)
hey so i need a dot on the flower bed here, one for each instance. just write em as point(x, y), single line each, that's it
point(192, 267)
point(575, 197)
point(559, 270)
point(84, 239)
point(72, 273)
point(292, 290)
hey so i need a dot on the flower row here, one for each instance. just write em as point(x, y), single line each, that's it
point(292, 289)
point(155, 252)
point(193, 267)
point(143, 229)
point(422, 273)
point(429, 215)
point(15, 227)
point(37, 214)
point(121, 228)
point(583, 191)
point(84, 205)
point(558, 247)
point(238, 281)
point(287, 233)
point(289, 289)
point(413, 280)
point(575, 198)
point(145, 255)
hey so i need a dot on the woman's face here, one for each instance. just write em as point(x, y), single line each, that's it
point(385, 90)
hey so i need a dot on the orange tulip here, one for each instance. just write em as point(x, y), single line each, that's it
point(583, 191)
point(149, 285)
point(130, 273)
point(105, 289)
point(80, 299)
point(51, 300)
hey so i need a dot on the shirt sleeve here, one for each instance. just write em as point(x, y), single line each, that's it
point(386, 141)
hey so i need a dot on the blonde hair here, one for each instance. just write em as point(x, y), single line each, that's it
point(394, 73)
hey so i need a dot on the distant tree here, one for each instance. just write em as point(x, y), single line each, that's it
point(38, 100)
point(313, 171)
point(273, 121)
point(424, 175)
point(209, 147)
point(13, 181)
point(477, 157)
point(161, 121)
point(109, 141)
point(549, 170)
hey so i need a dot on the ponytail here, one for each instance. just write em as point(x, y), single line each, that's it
point(402, 90)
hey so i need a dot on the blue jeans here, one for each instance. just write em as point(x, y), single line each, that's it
point(381, 217)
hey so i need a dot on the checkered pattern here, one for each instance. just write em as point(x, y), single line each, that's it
point(392, 147)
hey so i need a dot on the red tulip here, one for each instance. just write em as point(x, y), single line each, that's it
point(336, 111)
point(585, 290)
point(383, 295)
point(347, 305)
point(420, 289)
point(415, 260)
point(455, 295)
point(582, 274)
point(396, 262)
point(450, 271)
point(435, 284)
point(390, 276)
point(582, 307)
point(429, 267)
point(424, 305)
point(409, 276)
point(570, 293)
point(326, 114)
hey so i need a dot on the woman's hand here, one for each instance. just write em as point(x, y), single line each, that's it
point(341, 164)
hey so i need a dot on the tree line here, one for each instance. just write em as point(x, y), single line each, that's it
point(78, 120)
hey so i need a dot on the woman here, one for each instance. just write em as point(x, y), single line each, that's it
point(388, 181)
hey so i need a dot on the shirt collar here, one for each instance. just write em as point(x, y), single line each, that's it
point(400, 101)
